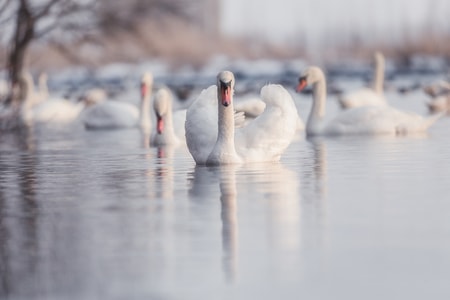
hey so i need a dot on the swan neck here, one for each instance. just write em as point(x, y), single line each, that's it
point(378, 76)
point(226, 126)
point(144, 112)
point(318, 107)
point(29, 89)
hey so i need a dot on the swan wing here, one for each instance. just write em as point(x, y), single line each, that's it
point(201, 125)
point(110, 115)
point(266, 137)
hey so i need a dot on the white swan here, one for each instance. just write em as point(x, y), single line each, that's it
point(169, 129)
point(439, 103)
point(360, 120)
point(116, 114)
point(371, 95)
point(211, 135)
point(440, 93)
point(38, 108)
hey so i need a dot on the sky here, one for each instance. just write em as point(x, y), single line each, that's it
point(313, 21)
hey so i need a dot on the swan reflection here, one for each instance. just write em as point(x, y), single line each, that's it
point(204, 186)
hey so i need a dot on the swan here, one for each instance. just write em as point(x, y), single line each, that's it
point(360, 120)
point(212, 138)
point(439, 88)
point(116, 114)
point(169, 129)
point(39, 108)
point(370, 95)
point(439, 103)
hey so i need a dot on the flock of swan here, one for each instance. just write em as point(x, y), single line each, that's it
point(217, 130)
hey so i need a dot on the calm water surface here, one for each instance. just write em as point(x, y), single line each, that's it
point(98, 215)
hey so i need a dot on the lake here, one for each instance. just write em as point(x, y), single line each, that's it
point(99, 215)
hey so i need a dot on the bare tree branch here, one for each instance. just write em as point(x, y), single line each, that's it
point(4, 6)
point(46, 9)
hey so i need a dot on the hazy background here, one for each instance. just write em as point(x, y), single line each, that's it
point(193, 31)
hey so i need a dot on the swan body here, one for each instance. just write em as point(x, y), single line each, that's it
point(112, 115)
point(53, 111)
point(169, 129)
point(368, 96)
point(38, 108)
point(213, 139)
point(369, 120)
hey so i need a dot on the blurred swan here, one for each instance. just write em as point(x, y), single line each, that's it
point(210, 127)
point(439, 103)
point(368, 96)
point(439, 88)
point(360, 120)
point(116, 114)
point(94, 96)
point(39, 108)
point(440, 93)
point(169, 129)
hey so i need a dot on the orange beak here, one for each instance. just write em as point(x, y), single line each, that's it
point(225, 93)
point(301, 85)
point(144, 89)
point(159, 125)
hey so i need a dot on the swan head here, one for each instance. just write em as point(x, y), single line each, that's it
point(146, 84)
point(310, 76)
point(161, 106)
point(225, 87)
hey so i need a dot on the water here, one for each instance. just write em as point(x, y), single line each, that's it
point(98, 215)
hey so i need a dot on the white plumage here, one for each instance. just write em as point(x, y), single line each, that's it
point(211, 135)
point(169, 128)
point(370, 120)
point(116, 115)
point(369, 95)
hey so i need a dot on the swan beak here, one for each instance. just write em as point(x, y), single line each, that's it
point(144, 89)
point(159, 125)
point(225, 93)
point(301, 85)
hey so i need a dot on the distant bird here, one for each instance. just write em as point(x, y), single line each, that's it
point(439, 103)
point(440, 96)
point(169, 129)
point(40, 108)
point(439, 88)
point(373, 95)
point(112, 115)
point(94, 96)
point(369, 120)
point(212, 138)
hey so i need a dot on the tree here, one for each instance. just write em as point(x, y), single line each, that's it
point(36, 20)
